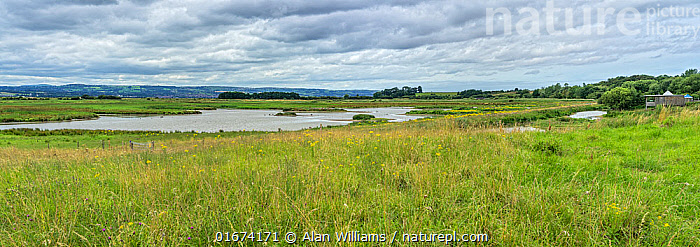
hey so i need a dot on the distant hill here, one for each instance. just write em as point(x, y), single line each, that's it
point(43, 90)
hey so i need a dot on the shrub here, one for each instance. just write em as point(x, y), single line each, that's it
point(362, 117)
point(620, 98)
point(286, 114)
point(108, 97)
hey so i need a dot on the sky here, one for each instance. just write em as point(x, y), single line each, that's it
point(341, 44)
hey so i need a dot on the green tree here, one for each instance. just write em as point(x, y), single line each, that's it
point(683, 85)
point(656, 88)
point(620, 98)
point(395, 92)
point(234, 95)
point(642, 86)
point(690, 72)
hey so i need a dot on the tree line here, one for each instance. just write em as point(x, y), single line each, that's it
point(686, 83)
point(262, 95)
point(396, 92)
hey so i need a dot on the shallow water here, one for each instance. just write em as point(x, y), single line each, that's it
point(592, 115)
point(223, 119)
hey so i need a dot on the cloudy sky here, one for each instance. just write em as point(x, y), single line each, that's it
point(341, 44)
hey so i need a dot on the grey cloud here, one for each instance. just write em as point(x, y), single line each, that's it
point(265, 9)
point(532, 72)
point(363, 44)
point(143, 2)
point(380, 27)
point(485, 73)
point(90, 2)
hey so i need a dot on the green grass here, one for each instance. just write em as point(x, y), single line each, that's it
point(94, 139)
point(628, 180)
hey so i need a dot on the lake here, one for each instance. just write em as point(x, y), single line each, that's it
point(223, 119)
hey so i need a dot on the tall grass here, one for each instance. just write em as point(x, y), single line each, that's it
point(603, 184)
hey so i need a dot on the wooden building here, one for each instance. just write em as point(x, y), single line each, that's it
point(666, 99)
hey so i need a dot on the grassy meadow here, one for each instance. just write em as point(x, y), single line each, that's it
point(625, 180)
